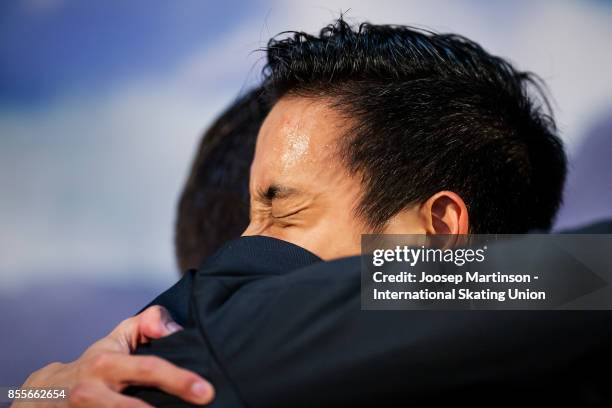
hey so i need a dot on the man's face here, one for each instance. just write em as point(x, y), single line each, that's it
point(300, 189)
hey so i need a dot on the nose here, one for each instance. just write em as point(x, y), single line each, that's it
point(260, 228)
point(248, 231)
point(254, 228)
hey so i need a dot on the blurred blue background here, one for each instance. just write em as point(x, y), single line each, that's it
point(103, 102)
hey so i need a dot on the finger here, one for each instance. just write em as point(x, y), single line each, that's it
point(121, 370)
point(96, 394)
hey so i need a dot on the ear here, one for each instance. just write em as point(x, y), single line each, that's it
point(445, 213)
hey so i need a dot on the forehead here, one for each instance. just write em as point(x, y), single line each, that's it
point(299, 135)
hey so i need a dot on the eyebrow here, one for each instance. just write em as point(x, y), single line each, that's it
point(275, 191)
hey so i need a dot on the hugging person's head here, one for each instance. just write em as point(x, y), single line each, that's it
point(214, 205)
point(391, 129)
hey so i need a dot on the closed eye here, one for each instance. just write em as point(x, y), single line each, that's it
point(287, 214)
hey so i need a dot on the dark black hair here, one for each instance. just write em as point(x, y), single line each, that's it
point(214, 205)
point(430, 112)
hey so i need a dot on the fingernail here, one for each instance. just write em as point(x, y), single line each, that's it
point(173, 327)
point(200, 389)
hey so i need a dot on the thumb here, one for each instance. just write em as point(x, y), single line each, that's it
point(153, 323)
point(156, 322)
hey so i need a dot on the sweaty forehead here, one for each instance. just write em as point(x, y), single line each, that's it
point(299, 135)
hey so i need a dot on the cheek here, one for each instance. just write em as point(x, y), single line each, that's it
point(337, 231)
point(334, 235)
point(328, 234)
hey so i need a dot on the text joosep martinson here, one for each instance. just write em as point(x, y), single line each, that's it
point(459, 257)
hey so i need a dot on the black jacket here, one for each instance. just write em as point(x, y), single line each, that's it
point(270, 325)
